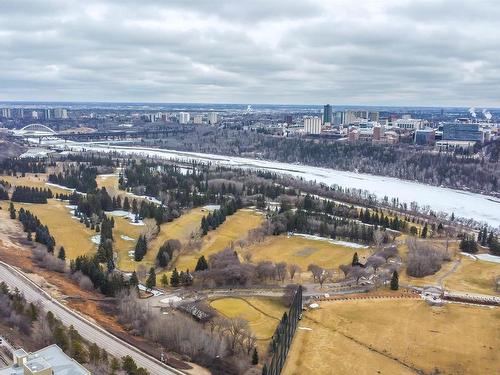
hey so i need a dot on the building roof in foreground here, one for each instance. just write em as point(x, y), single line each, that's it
point(49, 357)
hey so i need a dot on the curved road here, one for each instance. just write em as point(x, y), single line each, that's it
point(90, 331)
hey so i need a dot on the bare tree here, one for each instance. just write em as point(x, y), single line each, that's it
point(292, 269)
point(150, 229)
point(423, 259)
point(323, 276)
point(281, 271)
point(345, 268)
point(315, 270)
point(141, 271)
point(375, 262)
point(378, 238)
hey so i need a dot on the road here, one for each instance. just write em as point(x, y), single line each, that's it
point(90, 331)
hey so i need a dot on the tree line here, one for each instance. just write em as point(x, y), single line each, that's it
point(31, 194)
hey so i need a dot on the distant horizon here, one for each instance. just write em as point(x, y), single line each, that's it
point(156, 103)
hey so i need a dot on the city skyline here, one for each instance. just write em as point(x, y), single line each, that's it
point(404, 53)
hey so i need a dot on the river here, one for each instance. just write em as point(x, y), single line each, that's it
point(479, 207)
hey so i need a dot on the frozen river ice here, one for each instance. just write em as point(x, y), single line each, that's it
point(479, 207)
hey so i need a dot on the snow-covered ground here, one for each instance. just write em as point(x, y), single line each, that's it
point(96, 239)
point(145, 197)
point(211, 207)
point(126, 238)
point(488, 258)
point(483, 257)
point(353, 245)
point(155, 292)
point(464, 204)
point(125, 214)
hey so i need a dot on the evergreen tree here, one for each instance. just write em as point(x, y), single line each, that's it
point(264, 369)
point(133, 281)
point(140, 248)
point(255, 357)
point(395, 281)
point(151, 280)
point(174, 279)
point(424, 231)
point(202, 264)
point(62, 253)
point(12, 211)
point(355, 259)
point(164, 280)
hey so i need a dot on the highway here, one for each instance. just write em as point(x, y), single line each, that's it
point(90, 331)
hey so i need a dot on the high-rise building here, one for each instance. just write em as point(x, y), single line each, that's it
point(338, 118)
point(312, 125)
point(349, 117)
point(47, 114)
point(361, 114)
point(373, 116)
point(34, 115)
point(288, 119)
point(6, 113)
point(198, 119)
point(462, 132)
point(60, 113)
point(212, 118)
point(184, 117)
point(425, 136)
point(327, 114)
point(408, 123)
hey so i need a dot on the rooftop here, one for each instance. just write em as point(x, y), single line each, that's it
point(50, 357)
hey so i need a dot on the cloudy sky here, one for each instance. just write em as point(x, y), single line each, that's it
point(420, 52)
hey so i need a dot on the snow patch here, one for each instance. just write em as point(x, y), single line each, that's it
point(155, 292)
point(488, 258)
point(126, 238)
point(171, 300)
point(96, 239)
point(211, 207)
point(353, 245)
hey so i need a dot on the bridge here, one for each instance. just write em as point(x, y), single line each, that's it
point(41, 131)
point(34, 130)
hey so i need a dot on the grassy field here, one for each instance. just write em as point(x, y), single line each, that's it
point(107, 181)
point(235, 227)
point(181, 229)
point(396, 337)
point(303, 251)
point(475, 276)
point(68, 232)
point(262, 314)
point(33, 180)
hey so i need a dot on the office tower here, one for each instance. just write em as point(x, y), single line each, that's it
point(47, 114)
point(327, 114)
point(462, 132)
point(312, 125)
point(349, 117)
point(338, 118)
point(212, 118)
point(60, 113)
point(198, 119)
point(184, 117)
point(373, 116)
point(6, 113)
point(34, 115)
point(288, 119)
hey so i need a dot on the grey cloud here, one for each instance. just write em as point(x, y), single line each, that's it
point(393, 52)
